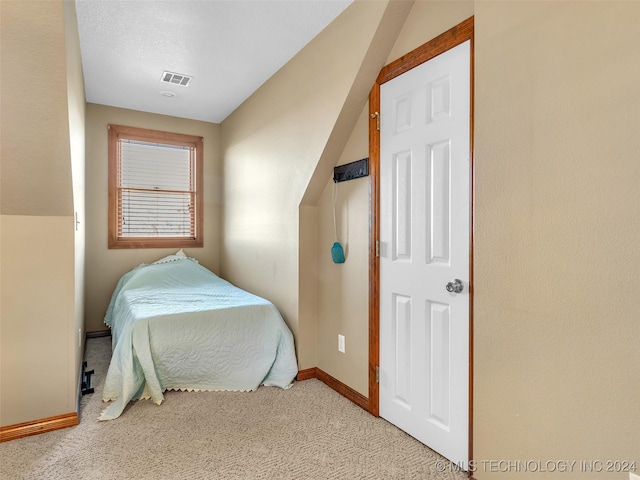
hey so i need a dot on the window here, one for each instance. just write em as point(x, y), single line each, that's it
point(155, 189)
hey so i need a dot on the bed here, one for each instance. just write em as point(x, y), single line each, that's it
point(177, 326)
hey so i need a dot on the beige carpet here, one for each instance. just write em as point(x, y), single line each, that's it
point(306, 432)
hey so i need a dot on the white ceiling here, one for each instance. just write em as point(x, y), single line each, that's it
point(230, 47)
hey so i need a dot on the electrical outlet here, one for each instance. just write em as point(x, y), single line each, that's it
point(341, 343)
point(633, 476)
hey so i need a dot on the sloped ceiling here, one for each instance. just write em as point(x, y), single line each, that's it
point(230, 48)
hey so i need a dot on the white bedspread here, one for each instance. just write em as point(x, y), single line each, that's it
point(176, 325)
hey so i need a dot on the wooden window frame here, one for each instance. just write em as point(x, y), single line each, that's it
point(118, 133)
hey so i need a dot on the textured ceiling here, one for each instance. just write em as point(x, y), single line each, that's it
point(230, 48)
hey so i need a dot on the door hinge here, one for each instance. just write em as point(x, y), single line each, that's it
point(376, 115)
point(377, 374)
point(377, 248)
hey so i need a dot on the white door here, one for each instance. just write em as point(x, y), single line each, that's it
point(424, 235)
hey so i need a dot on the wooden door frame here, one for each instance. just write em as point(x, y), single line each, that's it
point(449, 39)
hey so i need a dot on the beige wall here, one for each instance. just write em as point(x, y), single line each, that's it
point(37, 270)
point(343, 289)
point(557, 362)
point(274, 143)
point(308, 283)
point(76, 108)
point(427, 20)
point(103, 266)
point(41, 122)
point(34, 111)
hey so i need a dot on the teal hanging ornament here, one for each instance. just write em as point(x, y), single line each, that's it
point(337, 252)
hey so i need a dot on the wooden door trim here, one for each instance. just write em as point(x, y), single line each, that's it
point(440, 44)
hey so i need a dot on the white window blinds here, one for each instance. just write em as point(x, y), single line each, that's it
point(156, 190)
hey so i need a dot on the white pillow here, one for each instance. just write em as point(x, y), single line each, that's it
point(170, 258)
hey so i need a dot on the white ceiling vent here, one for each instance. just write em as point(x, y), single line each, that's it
point(176, 78)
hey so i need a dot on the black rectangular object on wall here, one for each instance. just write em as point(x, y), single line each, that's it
point(349, 171)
